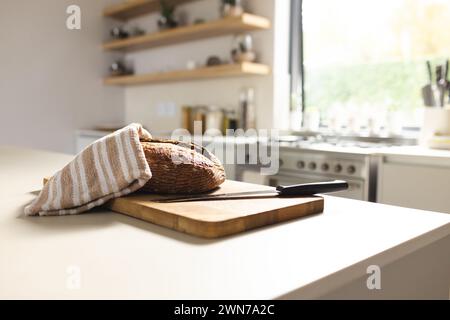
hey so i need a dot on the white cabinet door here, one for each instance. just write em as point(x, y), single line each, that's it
point(414, 184)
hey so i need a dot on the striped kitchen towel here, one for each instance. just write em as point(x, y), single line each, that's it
point(111, 167)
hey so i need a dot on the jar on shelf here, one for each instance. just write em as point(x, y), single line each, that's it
point(242, 49)
point(232, 8)
point(230, 121)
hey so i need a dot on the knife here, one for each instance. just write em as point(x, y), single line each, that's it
point(297, 190)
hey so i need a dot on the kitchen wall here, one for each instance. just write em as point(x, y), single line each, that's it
point(51, 77)
point(51, 82)
point(158, 106)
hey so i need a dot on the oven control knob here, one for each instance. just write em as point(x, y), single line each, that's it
point(312, 166)
point(351, 169)
point(325, 167)
point(337, 168)
point(301, 164)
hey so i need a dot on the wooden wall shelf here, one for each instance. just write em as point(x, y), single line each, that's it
point(232, 25)
point(133, 8)
point(228, 70)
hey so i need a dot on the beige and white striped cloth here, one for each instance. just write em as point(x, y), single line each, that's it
point(111, 167)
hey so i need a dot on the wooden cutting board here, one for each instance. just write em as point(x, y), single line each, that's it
point(218, 218)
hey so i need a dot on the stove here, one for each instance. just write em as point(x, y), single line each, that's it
point(314, 158)
point(306, 160)
point(303, 165)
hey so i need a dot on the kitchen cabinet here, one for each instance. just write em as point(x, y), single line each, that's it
point(415, 179)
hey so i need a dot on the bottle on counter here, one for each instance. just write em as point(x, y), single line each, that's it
point(199, 116)
point(230, 121)
point(186, 121)
point(214, 119)
point(247, 108)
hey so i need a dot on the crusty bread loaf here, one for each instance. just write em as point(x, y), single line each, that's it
point(179, 168)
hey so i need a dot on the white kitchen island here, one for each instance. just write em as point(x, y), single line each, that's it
point(108, 255)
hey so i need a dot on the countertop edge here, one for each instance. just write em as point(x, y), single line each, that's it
point(334, 281)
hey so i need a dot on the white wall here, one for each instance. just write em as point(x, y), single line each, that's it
point(146, 103)
point(51, 78)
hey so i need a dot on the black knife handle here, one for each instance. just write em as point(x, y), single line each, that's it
point(307, 189)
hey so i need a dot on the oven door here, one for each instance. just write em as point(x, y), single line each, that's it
point(355, 187)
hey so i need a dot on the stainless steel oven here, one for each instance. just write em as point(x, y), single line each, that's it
point(299, 165)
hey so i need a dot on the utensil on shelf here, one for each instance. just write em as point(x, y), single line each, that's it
point(444, 84)
point(446, 70)
point(298, 190)
point(428, 94)
point(430, 73)
point(435, 93)
point(441, 85)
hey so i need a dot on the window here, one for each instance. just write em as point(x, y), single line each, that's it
point(363, 62)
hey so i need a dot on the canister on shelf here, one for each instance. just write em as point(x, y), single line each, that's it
point(199, 116)
point(242, 50)
point(230, 121)
point(214, 118)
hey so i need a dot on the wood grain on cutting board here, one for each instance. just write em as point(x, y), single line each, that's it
point(218, 218)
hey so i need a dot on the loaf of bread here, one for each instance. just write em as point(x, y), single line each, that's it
point(179, 168)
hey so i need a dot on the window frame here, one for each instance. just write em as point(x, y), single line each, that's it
point(296, 67)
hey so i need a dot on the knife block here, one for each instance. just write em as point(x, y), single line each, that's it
point(436, 122)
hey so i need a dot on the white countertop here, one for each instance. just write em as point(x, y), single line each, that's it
point(415, 155)
point(121, 257)
point(416, 151)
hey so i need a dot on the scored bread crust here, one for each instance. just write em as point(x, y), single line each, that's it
point(181, 168)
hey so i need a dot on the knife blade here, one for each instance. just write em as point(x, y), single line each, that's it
point(297, 190)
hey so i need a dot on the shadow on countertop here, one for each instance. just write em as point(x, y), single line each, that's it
point(103, 218)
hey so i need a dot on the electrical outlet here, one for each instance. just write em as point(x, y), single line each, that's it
point(160, 109)
point(166, 109)
point(171, 109)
